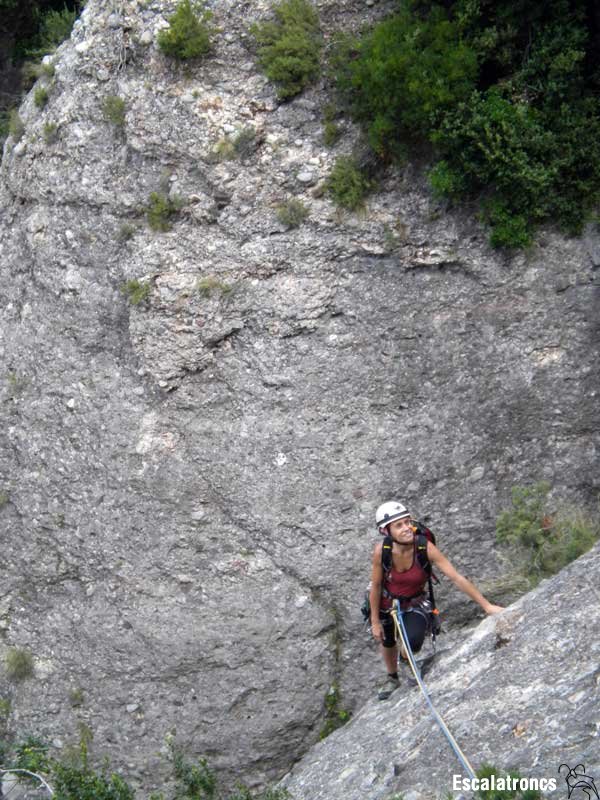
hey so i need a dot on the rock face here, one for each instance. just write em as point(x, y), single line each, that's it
point(188, 484)
point(520, 692)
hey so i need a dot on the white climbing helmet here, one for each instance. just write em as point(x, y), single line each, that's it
point(388, 512)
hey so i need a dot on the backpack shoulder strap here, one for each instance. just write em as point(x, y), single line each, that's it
point(427, 532)
point(424, 563)
point(386, 554)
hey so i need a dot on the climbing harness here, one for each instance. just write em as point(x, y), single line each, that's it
point(397, 615)
point(422, 535)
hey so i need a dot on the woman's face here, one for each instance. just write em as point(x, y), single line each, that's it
point(401, 531)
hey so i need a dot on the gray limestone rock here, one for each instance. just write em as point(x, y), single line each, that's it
point(190, 481)
point(519, 692)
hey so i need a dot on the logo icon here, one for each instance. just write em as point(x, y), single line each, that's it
point(577, 779)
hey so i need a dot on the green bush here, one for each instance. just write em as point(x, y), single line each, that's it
point(55, 27)
point(19, 664)
point(50, 132)
point(126, 232)
point(509, 780)
point(446, 181)
point(72, 778)
point(40, 97)
point(540, 544)
point(70, 781)
point(161, 210)
point(47, 70)
point(242, 145)
point(16, 126)
point(136, 291)
point(5, 707)
point(244, 142)
point(31, 71)
point(223, 150)
point(113, 109)
point(206, 286)
point(83, 783)
point(331, 133)
point(289, 46)
point(404, 74)
point(335, 716)
point(509, 229)
point(194, 780)
point(189, 34)
point(32, 754)
point(347, 184)
point(76, 697)
point(505, 95)
point(4, 125)
point(292, 213)
point(198, 782)
point(512, 151)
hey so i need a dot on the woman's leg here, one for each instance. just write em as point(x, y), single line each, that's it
point(416, 628)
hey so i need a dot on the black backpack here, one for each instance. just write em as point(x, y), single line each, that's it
point(423, 535)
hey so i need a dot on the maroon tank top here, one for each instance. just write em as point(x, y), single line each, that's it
point(403, 584)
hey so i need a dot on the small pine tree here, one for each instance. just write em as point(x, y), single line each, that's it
point(347, 185)
point(188, 35)
point(289, 47)
point(113, 109)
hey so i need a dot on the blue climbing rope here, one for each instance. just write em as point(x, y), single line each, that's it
point(397, 614)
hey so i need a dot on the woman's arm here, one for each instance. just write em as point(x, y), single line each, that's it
point(441, 562)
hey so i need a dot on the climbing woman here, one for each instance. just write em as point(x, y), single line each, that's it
point(401, 564)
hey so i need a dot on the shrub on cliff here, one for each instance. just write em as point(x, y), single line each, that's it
point(242, 146)
point(136, 291)
point(335, 715)
point(495, 784)
point(50, 132)
point(29, 30)
point(292, 213)
point(196, 781)
point(289, 46)
point(54, 27)
point(404, 74)
point(347, 184)
point(31, 754)
point(506, 97)
point(19, 664)
point(160, 211)
point(537, 543)
point(16, 126)
point(113, 110)
point(40, 97)
point(73, 778)
point(189, 34)
point(83, 783)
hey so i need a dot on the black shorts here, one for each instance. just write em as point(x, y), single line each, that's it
point(416, 624)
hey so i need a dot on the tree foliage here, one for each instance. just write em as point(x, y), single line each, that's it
point(30, 28)
point(505, 93)
point(189, 34)
point(347, 184)
point(540, 543)
point(74, 778)
point(289, 46)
